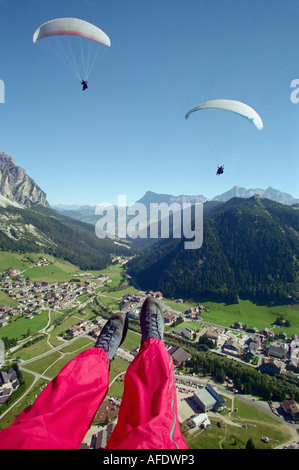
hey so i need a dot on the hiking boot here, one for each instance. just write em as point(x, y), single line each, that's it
point(113, 334)
point(151, 320)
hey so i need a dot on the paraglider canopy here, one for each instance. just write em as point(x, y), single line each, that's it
point(65, 28)
point(231, 105)
point(71, 26)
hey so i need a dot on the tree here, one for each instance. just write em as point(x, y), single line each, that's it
point(250, 444)
point(220, 375)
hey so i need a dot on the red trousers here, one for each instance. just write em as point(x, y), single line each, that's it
point(64, 410)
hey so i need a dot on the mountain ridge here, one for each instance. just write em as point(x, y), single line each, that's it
point(86, 213)
point(153, 197)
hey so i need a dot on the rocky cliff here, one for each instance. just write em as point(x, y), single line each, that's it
point(17, 186)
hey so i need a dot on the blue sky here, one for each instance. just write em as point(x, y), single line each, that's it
point(127, 133)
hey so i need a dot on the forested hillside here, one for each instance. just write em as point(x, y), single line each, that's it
point(250, 249)
point(45, 230)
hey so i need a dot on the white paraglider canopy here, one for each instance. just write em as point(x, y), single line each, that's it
point(231, 105)
point(75, 55)
point(71, 26)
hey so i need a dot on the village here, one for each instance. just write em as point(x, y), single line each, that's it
point(32, 297)
point(261, 348)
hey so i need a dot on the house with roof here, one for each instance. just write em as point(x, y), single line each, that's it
point(267, 332)
point(294, 353)
point(99, 440)
point(208, 398)
point(232, 347)
point(179, 355)
point(107, 410)
point(169, 318)
point(291, 408)
point(13, 271)
point(252, 329)
point(8, 383)
point(279, 350)
point(201, 420)
point(215, 333)
point(238, 325)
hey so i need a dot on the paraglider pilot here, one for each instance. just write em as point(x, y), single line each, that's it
point(220, 170)
point(84, 84)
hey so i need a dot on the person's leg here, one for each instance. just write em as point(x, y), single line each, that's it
point(148, 413)
point(63, 412)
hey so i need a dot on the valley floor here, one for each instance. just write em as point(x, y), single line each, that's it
point(48, 348)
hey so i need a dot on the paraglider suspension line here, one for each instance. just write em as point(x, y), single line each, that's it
point(76, 70)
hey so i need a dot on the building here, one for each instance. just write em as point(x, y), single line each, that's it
point(208, 398)
point(99, 440)
point(178, 354)
point(267, 332)
point(271, 366)
point(291, 408)
point(13, 271)
point(204, 400)
point(188, 333)
point(215, 333)
point(201, 420)
point(238, 325)
point(278, 350)
point(232, 347)
point(252, 329)
point(8, 383)
point(106, 411)
point(169, 318)
point(294, 353)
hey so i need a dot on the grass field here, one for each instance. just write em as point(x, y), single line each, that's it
point(252, 314)
point(244, 423)
point(28, 399)
point(6, 300)
point(20, 325)
point(7, 260)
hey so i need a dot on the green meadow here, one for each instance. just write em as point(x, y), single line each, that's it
point(244, 423)
point(8, 260)
point(252, 314)
point(21, 326)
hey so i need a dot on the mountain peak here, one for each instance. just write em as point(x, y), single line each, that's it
point(16, 186)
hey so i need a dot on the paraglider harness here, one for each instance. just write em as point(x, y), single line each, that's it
point(220, 170)
point(85, 84)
